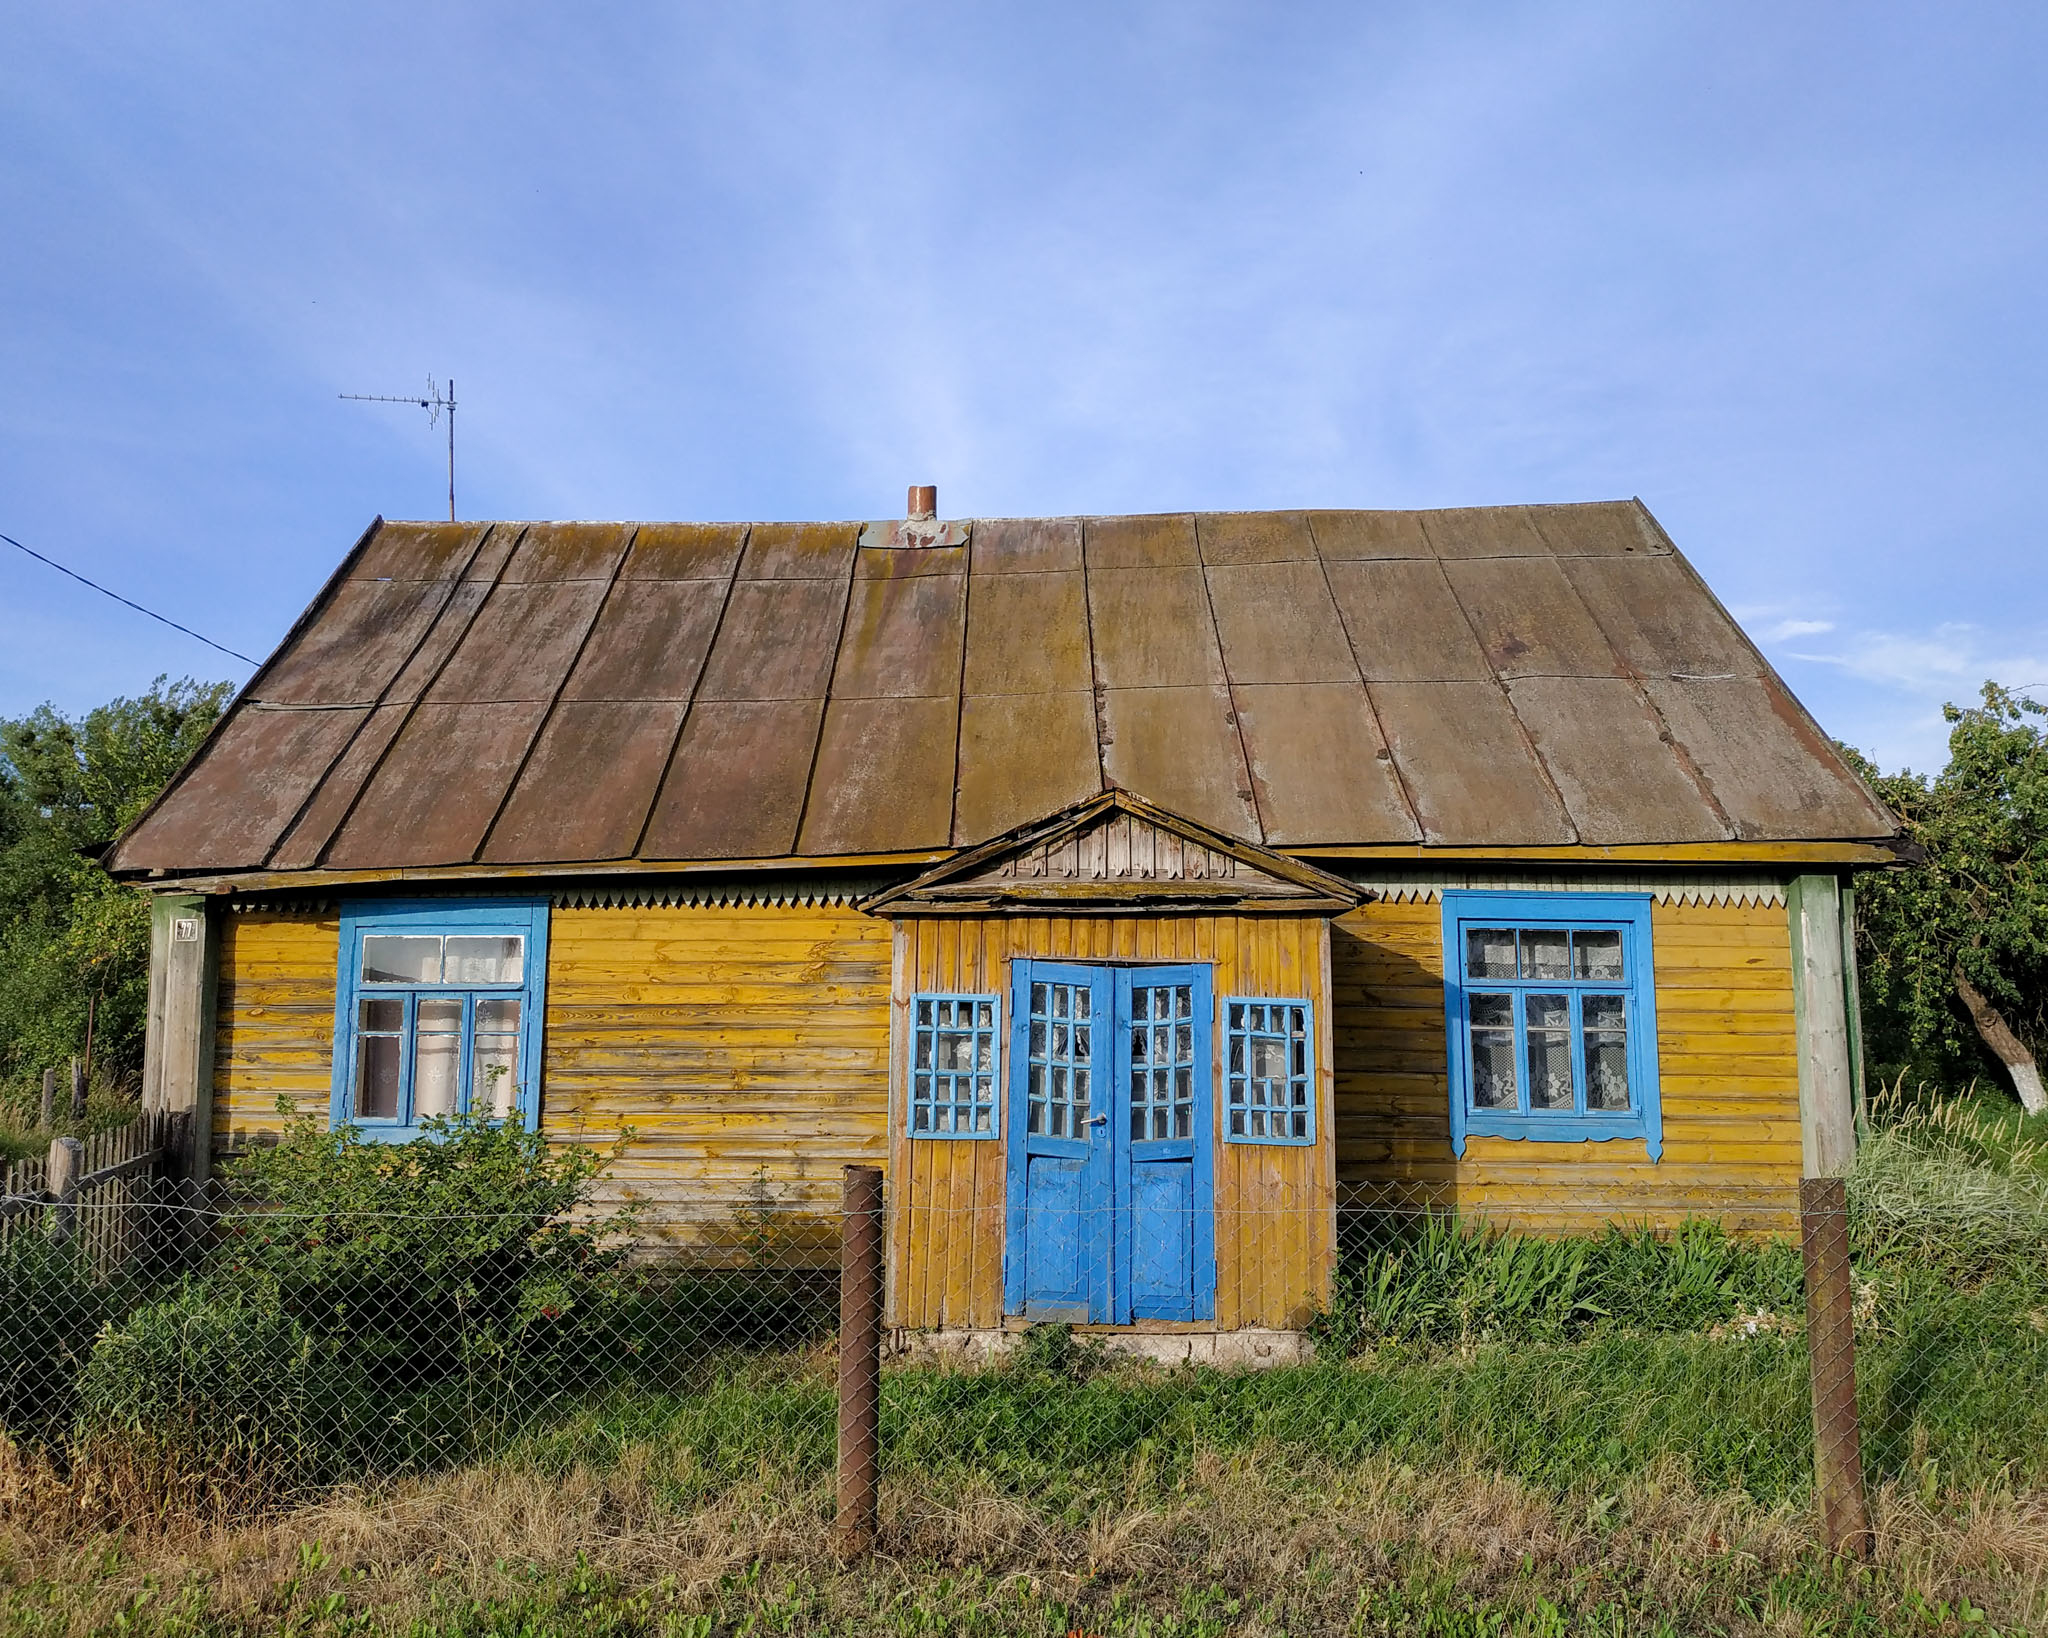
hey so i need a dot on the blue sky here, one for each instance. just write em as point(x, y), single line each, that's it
point(1778, 270)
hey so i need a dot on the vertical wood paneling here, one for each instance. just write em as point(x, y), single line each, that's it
point(1273, 1203)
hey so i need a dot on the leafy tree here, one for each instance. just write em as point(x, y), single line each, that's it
point(1953, 952)
point(74, 944)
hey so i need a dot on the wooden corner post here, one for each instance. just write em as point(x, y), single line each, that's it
point(177, 1055)
point(1823, 1003)
point(860, 1361)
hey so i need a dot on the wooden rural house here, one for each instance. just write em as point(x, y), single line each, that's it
point(1133, 889)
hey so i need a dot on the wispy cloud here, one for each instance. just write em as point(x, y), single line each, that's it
point(1785, 630)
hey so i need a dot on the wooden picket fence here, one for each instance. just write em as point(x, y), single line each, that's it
point(102, 1193)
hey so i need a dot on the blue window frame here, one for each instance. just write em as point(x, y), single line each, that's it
point(438, 1013)
point(1552, 1017)
point(953, 1065)
point(1269, 1073)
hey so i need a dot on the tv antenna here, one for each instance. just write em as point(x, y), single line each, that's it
point(434, 404)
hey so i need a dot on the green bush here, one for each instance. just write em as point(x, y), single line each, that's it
point(49, 1310)
point(210, 1387)
point(469, 1253)
point(1439, 1279)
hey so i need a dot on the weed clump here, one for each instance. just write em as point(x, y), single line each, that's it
point(1441, 1280)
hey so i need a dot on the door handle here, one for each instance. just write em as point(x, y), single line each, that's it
point(1098, 1120)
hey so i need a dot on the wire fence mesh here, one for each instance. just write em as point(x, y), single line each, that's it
point(245, 1351)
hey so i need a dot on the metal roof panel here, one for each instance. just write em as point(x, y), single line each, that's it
point(684, 551)
point(1178, 748)
point(1467, 766)
point(1405, 623)
point(1342, 536)
point(234, 804)
point(1152, 629)
point(360, 638)
point(1768, 765)
point(777, 641)
point(650, 641)
point(586, 790)
point(522, 642)
point(1254, 537)
point(302, 844)
point(884, 776)
point(1026, 545)
point(735, 789)
point(1604, 751)
point(1320, 771)
point(1529, 620)
point(1161, 541)
point(440, 785)
point(1278, 624)
point(998, 789)
point(902, 636)
point(1028, 634)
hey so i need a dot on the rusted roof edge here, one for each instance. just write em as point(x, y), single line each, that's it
point(245, 692)
point(267, 881)
point(1823, 742)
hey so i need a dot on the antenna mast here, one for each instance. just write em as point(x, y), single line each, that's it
point(434, 404)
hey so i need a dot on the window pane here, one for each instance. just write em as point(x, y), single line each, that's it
point(1493, 1011)
point(436, 1061)
point(956, 1051)
point(494, 1075)
point(1490, 953)
point(377, 1077)
point(1546, 954)
point(1269, 1057)
point(401, 958)
point(385, 1013)
point(1597, 955)
point(1550, 1071)
point(496, 959)
point(500, 1012)
point(1606, 1048)
point(1493, 1069)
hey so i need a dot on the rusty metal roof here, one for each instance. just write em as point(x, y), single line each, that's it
point(582, 693)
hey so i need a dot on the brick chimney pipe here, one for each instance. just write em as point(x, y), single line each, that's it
point(924, 502)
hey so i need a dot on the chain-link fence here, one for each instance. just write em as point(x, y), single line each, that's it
point(247, 1348)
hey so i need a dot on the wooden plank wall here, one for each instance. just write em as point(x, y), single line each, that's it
point(1728, 1073)
point(746, 1048)
point(274, 1021)
point(1273, 1204)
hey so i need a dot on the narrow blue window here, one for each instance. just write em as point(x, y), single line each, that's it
point(1551, 1009)
point(438, 1013)
point(953, 1066)
point(1269, 1071)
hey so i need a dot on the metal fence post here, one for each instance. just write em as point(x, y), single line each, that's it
point(48, 1117)
point(860, 1360)
point(66, 1153)
point(1831, 1351)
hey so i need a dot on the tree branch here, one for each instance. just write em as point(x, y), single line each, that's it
point(2009, 1049)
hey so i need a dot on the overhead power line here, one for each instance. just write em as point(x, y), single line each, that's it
point(128, 602)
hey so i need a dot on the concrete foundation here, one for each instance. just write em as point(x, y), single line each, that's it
point(1250, 1349)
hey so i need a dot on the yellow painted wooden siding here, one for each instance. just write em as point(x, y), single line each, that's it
point(273, 1021)
point(747, 1048)
point(1273, 1204)
point(1727, 1064)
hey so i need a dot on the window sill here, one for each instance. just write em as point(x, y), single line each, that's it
point(1565, 1129)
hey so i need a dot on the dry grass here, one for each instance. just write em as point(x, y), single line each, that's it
point(1262, 1541)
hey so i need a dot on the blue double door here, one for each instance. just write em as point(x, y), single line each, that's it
point(1111, 1190)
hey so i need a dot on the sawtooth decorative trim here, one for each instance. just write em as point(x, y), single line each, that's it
point(1664, 886)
